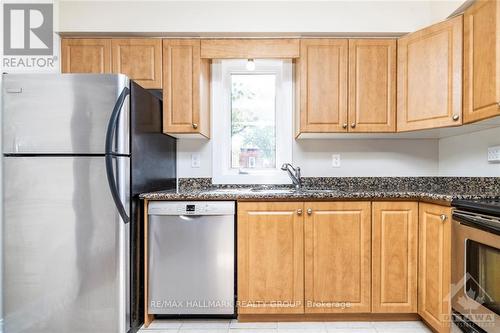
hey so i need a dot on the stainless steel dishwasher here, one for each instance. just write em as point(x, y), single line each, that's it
point(191, 257)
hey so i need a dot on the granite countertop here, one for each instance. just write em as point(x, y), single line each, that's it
point(440, 189)
point(307, 194)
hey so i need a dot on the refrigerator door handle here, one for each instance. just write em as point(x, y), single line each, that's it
point(115, 193)
point(109, 155)
point(113, 120)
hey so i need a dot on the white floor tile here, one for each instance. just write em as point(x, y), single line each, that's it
point(235, 324)
point(348, 324)
point(302, 325)
point(302, 330)
point(352, 330)
point(205, 324)
point(253, 330)
point(403, 330)
point(203, 330)
point(165, 324)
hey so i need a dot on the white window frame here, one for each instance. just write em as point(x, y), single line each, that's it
point(222, 173)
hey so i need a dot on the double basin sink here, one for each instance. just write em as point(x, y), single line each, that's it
point(269, 190)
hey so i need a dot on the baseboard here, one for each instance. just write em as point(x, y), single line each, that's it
point(329, 317)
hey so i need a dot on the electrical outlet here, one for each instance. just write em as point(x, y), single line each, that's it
point(494, 154)
point(195, 160)
point(336, 160)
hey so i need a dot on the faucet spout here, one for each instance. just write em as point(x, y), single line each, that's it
point(293, 173)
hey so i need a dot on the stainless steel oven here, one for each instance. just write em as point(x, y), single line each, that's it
point(475, 289)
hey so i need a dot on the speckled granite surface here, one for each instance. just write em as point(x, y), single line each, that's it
point(415, 188)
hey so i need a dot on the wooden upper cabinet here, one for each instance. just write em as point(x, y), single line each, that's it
point(434, 274)
point(430, 77)
point(139, 59)
point(270, 257)
point(372, 85)
point(337, 257)
point(85, 55)
point(186, 88)
point(228, 48)
point(323, 85)
point(482, 61)
point(394, 256)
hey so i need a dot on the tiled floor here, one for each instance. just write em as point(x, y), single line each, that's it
point(233, 326)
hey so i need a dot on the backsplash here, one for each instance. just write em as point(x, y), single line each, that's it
point(462, 185)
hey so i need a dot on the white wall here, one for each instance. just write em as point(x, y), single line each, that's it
point(301, 17)
point(358, 157)
point(466, 155)
point(462, 156)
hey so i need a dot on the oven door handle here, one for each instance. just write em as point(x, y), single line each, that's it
point(477, 222)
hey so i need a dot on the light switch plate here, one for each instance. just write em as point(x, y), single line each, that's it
point(195, 160)
point(336, 160)
point(494, 154)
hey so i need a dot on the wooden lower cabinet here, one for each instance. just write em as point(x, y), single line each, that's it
point(434, 275)
point(394, 256)
point(337, 257)
point(345, 257)
point(270, 257)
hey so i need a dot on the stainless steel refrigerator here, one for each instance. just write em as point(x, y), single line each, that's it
point(77, 151)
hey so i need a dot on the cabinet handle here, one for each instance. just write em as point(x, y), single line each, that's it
point(195, 126)
point(344, 126)
point(456, 117)
point(353, 125)
point(309, 211)
point(299, 211)
point(443, 217)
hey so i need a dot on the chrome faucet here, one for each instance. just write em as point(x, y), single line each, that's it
point(294, 176)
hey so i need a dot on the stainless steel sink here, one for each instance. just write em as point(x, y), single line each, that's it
point(319, 191)
point(231, 190)
point(272, 191)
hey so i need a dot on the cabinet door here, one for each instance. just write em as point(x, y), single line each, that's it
point(85, 55)
point(337, 257)
point(430, 77)
point(434, 265)
point(372, 85)
point(139, 59)
point(185, 88)
point(270, 257)
point(323, 85)
point(394, 256)
point(482, 61)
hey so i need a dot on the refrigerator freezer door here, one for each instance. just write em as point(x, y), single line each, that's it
point(62, 113)
point(65, 247)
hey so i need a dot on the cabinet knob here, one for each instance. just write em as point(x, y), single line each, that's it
point(309, 211)
point(195, 126)
point(299, 211)
point(443, 217)
point(353, 125)
point(456, 117)
point(498, 104)
point(344, 126)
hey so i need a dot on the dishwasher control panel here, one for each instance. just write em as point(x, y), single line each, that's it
point(191, 208)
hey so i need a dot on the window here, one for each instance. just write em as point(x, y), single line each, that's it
point(251, 121)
